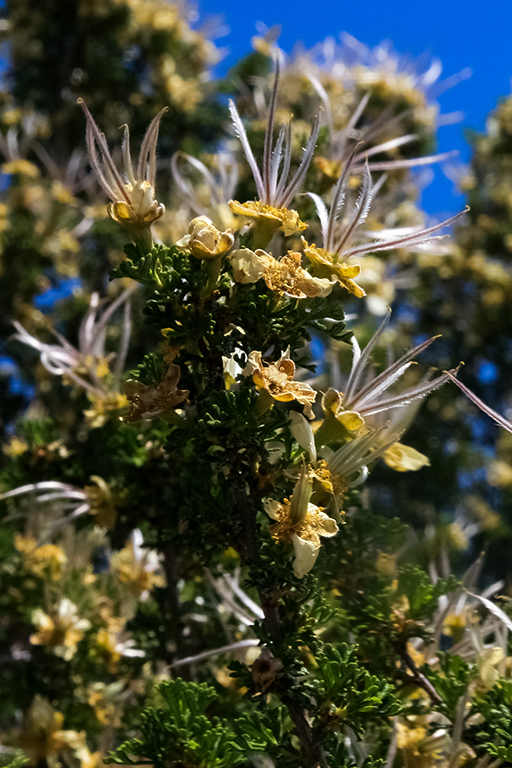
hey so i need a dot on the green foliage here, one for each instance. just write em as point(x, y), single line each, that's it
point(422, 595)
point(450, 681)
point(353, 696)
point(182, 731)
point(18, 762)
point(494, 731)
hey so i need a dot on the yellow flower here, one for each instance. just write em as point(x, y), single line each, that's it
point(403, 458)
point(249, 266)
point(135, 566)
point(133, 204)
point(277, 380)
point(42, 737)
point(301, 523)
point(102, 406)
point(270, 218)
point(386, 566)
point(87, 758)
point(106, 640)
point(285, 276)
point(409, 738)
point(21, 166)
point(100, 502)
point(488, 661)
point(45, 561)
point(499, 473)
point(288, 277)
point(335, 415)
point(454, 626)
point(487, 518)
point(275, 192)
point(457, 536)
point(15, 447)
point(327, 265)
point(330, 168)
point(205, 241)
point(61, 631)
point(149, 401)
point(107, 701)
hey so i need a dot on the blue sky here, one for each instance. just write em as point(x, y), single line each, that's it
point(461, 34)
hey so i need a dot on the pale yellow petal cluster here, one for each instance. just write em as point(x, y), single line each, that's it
point(285, 219)
point(488, 662)
point(205, 241)
point(43, 738)
point(403, 458)
point(327, 265)
point(304, 534)
point(46, 561)
point(249, 266)
point(284, 276)
point(102, 406)
point(136, 568)
point(332, 406)
point(62, 630)
point(278, 380)
point(143, 208)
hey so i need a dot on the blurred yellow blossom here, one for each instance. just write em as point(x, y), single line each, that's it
point(136, 566)
point(45, 561)
point(42, 737)
point(61, 630)
point(403, 458)
point(100, 502)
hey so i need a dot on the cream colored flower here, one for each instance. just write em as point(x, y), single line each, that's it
point(102, 407)
point(148, 401)
point(87, 758)
point(107, 701)
point(249, 266)
point(488, 661)
point(403, 458)
point(301, 523)
point(113, 645)
point(46, 561)
point(21, 166)
point(332, 406)
point(133, 203)
point(205, 241)
point(277, 379)
point(88, 366)
point(270, 217)
point(275, 191)
point(285, 276)
point(232, 370)
point(136, 566)
point(61, 631)
point(42, 737)
point(327, 264)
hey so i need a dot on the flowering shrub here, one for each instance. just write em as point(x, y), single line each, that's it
point(193, 571)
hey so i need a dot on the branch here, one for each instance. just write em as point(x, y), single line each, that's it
point(270, 607)
point(419, 679)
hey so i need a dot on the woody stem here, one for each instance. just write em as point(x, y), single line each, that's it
point(270, 606)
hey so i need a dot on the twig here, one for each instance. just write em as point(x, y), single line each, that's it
point(419, 678)
point(270, 606)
